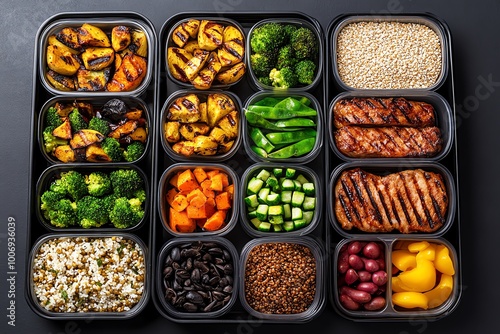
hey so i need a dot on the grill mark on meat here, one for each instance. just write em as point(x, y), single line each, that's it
point(413, 205)
point(370, 196)
point(422, 199)
point(346, 210)
point(351, 199)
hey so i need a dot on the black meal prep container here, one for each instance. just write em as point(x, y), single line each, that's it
point(238, 162)
point(442, 96)
point(43, 169)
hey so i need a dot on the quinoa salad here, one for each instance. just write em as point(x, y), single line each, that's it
point(89, 274)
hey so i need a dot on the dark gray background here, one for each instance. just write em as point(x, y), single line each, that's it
point(476, 50)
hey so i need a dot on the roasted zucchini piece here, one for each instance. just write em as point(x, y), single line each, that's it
point(231, 53)
point(129, 75)
point(232, 74)
point(120, 38)
point(92, 81)
point(205, 145)
point(210, 35)
point(172, 134)
point(229, 124)
point(196, 63)
point(62, 62)
point(185, 109)
point(124, 130)
point(64, 153)
point(63, 131)
point(207, 74)
point(52, 40)
point(218, 106)
point(90, 35)
point(177, 59)
point(191, 46)
point(185, 148)
point(59, 81)
point(139, 43)
point(191, 130)
point(69, 37)
point(183, 31)
point(95, 153)
point(84, 138)
point(96, 59)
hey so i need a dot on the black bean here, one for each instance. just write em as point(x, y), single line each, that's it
point(194, 297)
point(190, 307)
point(175, 254)
point(228, 269)
point(228, 289)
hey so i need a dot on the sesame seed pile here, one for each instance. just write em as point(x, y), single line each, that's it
point(280, 278)
point(388, 55)
point(87, 274)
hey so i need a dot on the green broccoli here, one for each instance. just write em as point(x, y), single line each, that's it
point(77, 121)
point(126, 182)
point(134, 151)
point(52, 118)
point(286, 57)
point(74, 183)
point(265, 81)
point(108, 202)
point(50, 141)
point(126, 213)
point(140, 194)
point(99, 125)
point(305, 43)
point(289, 29)
point(112, 148)
point(58, 187)
point(283, 78)
point(49, 200)
point(63, 214)
point(261, 64)
point(98, 183)
point(267, 38)
point(91, 212)
point(305, 70)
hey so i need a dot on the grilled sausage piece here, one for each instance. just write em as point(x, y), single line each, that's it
point(383, 112)
point(408, 201)
point(388, 142)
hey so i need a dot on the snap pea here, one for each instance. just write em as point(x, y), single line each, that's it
point(268, 101)
point(259, 151)
point(260, 122)
point(291, 103)
point(260, 140)
point(281, 113)
point(290, 137)
point(297, 149)
point(295, 122)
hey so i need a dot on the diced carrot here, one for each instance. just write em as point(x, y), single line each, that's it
point(179, 203)
point(187, 181)
point(212, 173)
point(216, 221)
point(230, 190)
point(200, 174)
point(225, 179)
point(180, 222)
point(206, 188)
point(173, 180)
point(216, 183)
point(170, 195)
point(222, 201)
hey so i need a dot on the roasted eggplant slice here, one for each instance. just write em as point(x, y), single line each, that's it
point(69, 37)
point(218, 106)
point(210, 35)
point(120, 38)
point(92, 81)
point(65, 153)
point(62, 62)
point(185, 109)
point(59, 81)
point(114, 109)
point(177, 59)
point(90, 35)
point(232, 74)
point(96, 59)
point(130, 74)
point(196, 63)
point(84, 138)
point(139, 43)
point(207, 75)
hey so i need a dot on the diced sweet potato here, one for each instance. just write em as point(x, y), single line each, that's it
point(187, 181)
point(211, 173)
point(206, 188)
point(230, 190)
point(217, 182)
point(196, 198)
point(216, 221)
point(173, 180)
point(180, 222)
point(170, 195)
point(200, 174)
point(225, 179)
point(223, 201)
point(179, 203)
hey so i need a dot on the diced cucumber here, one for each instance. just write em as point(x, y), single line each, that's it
point(275, 210)
point(278, 172)
point(297, 213)
point(286, 196)
point(309, 203)
point(290, 173)
point(287, 211)
point(276, 220)
point(302, 179)
point(277, 188)
point(251, 201)
point(273, 199)
point(308, 188)
point(308, 216)
point(299, 223)
point(262, 211)
point(252, 214)
point(262, 196)
point(263, 175)
point(287, 184)
point(297, 185)
point(277, 228)
point(255, 222)
point(288, 226)
point(272, 181)
point(264, 227)
point(298, 198)
point(254, 185)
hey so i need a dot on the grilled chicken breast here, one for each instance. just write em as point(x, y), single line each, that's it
point(408, 201)
point(388, 142)
point(383, 112)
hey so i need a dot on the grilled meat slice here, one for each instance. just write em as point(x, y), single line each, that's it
point(388, 142)
point(383, 112)
point(408, 201)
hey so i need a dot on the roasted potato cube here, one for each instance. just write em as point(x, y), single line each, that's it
point(120, 38)
point(191, 26)
point(95, 153)
point(231, 53)
point(52, 40)
point(90, 35)
point(172, 134)
point(62, 62)
point(92, 81)
point(129, 75)
point(84, 138)
point(63, 131)
point(218, 135)
point(118, 61)
point(63, 110)
point(85, 109)
point(229, 124)
point(185, 148)
point(191, 130)
point(177, 60)
point(69, 37)
point(64, 153)
point(192, 46)
point(134, 114)
point(180, 36)
point(139, 43)
point(96, 59)
point(232, 74)
point(196, 63)
point(205, 145)
point(225, 147)
point(185, 109)
point(231, 33)
point(210, 35)
point(218, 106)
point(207, 75)
point(59, 81)
point(140, 134)
point(203, 112)
point(124, 130)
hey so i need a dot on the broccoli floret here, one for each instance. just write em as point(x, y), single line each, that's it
point(286, 57)
point(261, 64)
point(99, 125)
point(58, 187)
point(63, 214)
point(126, 213)
point(267, 38)
point(77, 121)
point(140, 195)
point(305, 70)
point(266, 81)
point(289, 29)
point(48, 200)
point(50, 141)
point(134, 151)
point(108, 202)
point(284, 78)
point(126, 182)
point(112, 148)
point(305, 43)
point(52, 118)
point(91, 212)
point(98, 183)
point(74, 183)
